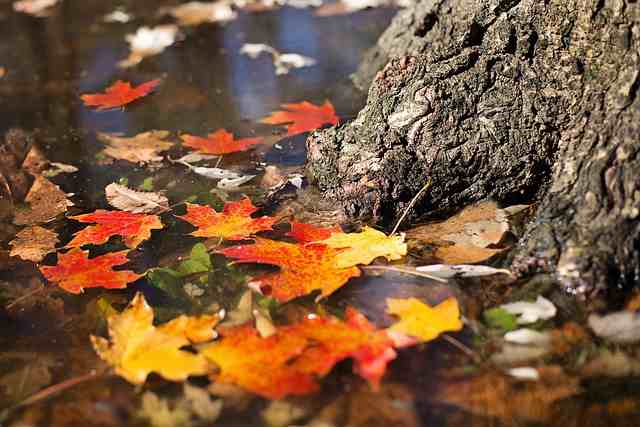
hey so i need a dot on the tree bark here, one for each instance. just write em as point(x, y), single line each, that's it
point(515, 100)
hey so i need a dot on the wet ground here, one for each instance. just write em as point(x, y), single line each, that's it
point(48, 62)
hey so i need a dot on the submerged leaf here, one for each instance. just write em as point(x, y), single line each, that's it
point(303, 117)
point(126, 199)
point(219, 142)
point(138, 348)
point(133, 227)
point(233, 223)
point(420, 321)
point(33, 243)
point(119, 94)
point(75, 271)
point(142, 148)
point(46, 201)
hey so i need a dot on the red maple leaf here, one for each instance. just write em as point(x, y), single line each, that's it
point(233, 223)
point(133, 227)
point(75, 271)
point(303, 117)
point(219, 142)
point(290, 361)
point(307, 233)
point(118, 94)
point(303, 268)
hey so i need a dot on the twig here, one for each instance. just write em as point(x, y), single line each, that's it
point(405, 271)
point(30, 294)
point(460, 346)
point(411, 204)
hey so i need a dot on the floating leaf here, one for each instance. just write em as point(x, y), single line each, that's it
point(303, 268)
point(75, 271)
point(446, 271)
point(219, 142)
point(196, 13)
point(365, 246)
point(126, 199)
point(46, 201)
point(499, 318)
point(142, 148)
point(283, 62)
point(119, 94)
point(148, 42)
point(420, 321)
point(530, 312)
point(289, 361)
point(133, 227)
point(307, 233)
point(138, 348)
point(303, 117)
point(33, 243)
point(233, 223)
point(39, 8)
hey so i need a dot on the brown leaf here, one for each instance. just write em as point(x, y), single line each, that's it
point(33, 243)
point(468, 237)
point(142, 148)
point(46, 201)
point(126, 199)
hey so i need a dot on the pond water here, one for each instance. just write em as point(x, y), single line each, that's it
point(50, 374)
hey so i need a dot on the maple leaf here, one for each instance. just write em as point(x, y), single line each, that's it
point(138, 348)
point(119, 94)
point(303, 117)
point(233, 223)
point(358, 248)
point(290, 361)
point(133, 227)
point(126, 199)
point(420, 321)
point(33, 243)
point(142, 148)
point(219, 142)
point(46, 201)
point(303, 268)
point(75, 271)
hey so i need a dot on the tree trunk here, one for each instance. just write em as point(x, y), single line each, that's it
point(516, 100)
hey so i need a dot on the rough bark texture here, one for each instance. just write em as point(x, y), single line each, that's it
point(517, 100)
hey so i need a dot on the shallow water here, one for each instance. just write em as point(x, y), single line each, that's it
point(207, 84)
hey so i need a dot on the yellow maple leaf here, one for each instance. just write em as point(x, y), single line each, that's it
point(138, 348)
point(365, 246)
point(420, 321)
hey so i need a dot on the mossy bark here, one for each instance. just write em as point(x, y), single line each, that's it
point(515, 100)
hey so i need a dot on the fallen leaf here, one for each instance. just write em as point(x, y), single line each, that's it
point(123, 198)
point(526, 373)
point(56, 168)
point(142, 148)
point(201, 404)
point(75, 271)
point(289, 361)
point(283, 62)
point(133, 227)
point(303, 268)
point(612, 363)
point(233, 184)
point(218, 142)
point(420, 321)
point(619, 327)
point(196, 13)
point(499, 318)
point(160, 413)
point(308, 233)
point(138, 348)
point(303, 117)
point(469, 237)
point(530, 312)
point(148, 42)
point(194, 158)
point(33, 243)
point(446, 271)
point(119, 94)
point(119, 15)
point(29, 373)
point(527, 336)
point(233, 223)
point(46, 201)
point(365, 246)
point(39, 8)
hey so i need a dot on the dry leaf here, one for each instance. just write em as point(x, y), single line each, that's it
point(446, 271)
point(283, 62)
point(46, 201)
point(138, 348)
point(142, 148)
point(465, 238)
point(33, 243)
point(196, 13)
point(123, 198)
point(37, 8)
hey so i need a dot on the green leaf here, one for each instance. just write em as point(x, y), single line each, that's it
point(498, 318)
point(147, 184)
point(167, 280)
point(199, 261)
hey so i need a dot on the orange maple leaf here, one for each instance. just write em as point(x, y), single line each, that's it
point(290, 361)
point(303, 268)
point(133, 227)
point(303, 117)
point(233, 223)
point(75, 271)
point(118, 94)
point(219, 142)
point(307, 233)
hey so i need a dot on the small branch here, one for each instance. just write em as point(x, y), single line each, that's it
point(463, 348)
point(410, 206)
point(404, 270)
